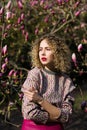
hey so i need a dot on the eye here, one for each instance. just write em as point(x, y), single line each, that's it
point(40, 49)
point(48, 49)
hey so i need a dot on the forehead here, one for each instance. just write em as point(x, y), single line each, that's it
point(44, 43)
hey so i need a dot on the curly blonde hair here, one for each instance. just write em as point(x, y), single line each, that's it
point(62, 55)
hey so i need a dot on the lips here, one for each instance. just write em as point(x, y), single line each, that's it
point(43, 59)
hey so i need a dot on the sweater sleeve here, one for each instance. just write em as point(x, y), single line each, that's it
point(31, 110)
point(68, 101)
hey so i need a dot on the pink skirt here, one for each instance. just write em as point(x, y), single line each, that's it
point(30, 125)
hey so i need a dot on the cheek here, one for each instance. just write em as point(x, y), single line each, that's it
point(51, 56)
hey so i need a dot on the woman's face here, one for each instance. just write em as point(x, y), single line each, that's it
point(46, 54)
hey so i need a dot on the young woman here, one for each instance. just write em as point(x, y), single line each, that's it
point(48, 91)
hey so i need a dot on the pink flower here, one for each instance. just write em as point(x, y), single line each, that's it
point(59, 2)
point(8, 5)
point(36, 31)
point(77, 13)
point(23, 32)
point(20, 5)
point(46, 19)
point(1, 11)
point(15, 74)
point(4, 50)
point(8, 15)
point(79, 47)
point(26, 36)
point(11, 73)
point(22, 16)
point(6, 60)
point(74, 59)
point(19, 20)
point(4, 66)
point(8, 26)
point(76, 4)
point(22, 27)
point(42, 2)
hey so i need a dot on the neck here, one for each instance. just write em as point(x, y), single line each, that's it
point(49, 69)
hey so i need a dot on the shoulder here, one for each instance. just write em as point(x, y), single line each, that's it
point(64, 76)
point(66, 80)
point(34, 72)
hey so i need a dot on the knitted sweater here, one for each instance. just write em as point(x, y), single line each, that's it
point(56, 89)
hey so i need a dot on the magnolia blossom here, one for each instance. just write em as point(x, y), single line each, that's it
point(36, 31)
point(76, 4)
point(19, 20)
point(1, 11)
point(8, 5)
point(22, 16)
point(6, 60)
point(59, 1)
point(77, 13)
point(74, 59)
point(15, 74)
point(20, 4)
point(42, 2)
point(4, 50)
point(11, 73)
point(4, 66)
point(79, 47)
point(46, 19)
point(8, 15)
point(26, 36)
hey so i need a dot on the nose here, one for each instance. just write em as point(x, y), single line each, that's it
point(43, 52)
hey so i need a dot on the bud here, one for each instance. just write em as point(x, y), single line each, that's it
point(8, 15)
point(4, 66)
point(20, 5)
point(19, 20)
point(22, 16)
point(15, 74)
point(4, 50)
point(74, 57)
point(6, 60)
point(1, 11)
point(11, 73)
point(42, 2)
point(8, 26)
point(76, 4)
point(26, 36)
point(8, 5)
point(79, 47)
point(36, 31)
point(77, 13)
point(46, 19)
point(59, 2)
point(22, 27)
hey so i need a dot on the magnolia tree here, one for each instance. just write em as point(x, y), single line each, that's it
point(23, 21)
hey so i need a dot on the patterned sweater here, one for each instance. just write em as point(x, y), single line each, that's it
point(56, 89)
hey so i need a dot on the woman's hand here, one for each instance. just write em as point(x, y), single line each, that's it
point(32, 95)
